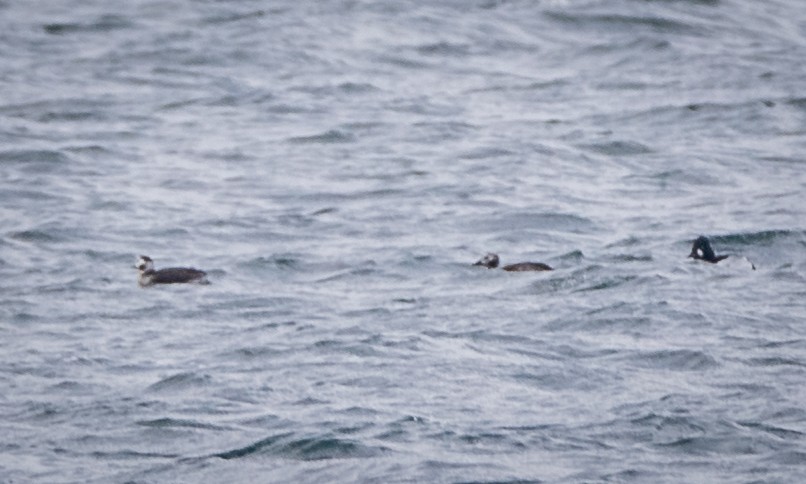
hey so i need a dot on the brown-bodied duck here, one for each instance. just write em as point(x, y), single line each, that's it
point(491, 261)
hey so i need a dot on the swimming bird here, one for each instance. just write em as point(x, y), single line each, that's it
point(171, 275)
point(491, 260)
point(701, 250)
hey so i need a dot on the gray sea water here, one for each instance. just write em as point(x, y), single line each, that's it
point(336, 167)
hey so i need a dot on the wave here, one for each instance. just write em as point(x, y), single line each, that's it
point(104, 23)
point(33, 156)
point(36, 236)
point(618, 148)
point(678, 360)
point(180, 381)
point(177, 423)
point(306, 449)
point(546, 221)
point(331, 136)
point(764, 237)
point(609, 21)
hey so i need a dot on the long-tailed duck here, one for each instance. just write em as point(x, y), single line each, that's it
point(701, 250)
point(491, 260)
point(171, 275)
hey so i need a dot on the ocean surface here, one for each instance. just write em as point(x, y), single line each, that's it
point(337, 167)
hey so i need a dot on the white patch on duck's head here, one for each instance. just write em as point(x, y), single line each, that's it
point(145, 263)
point(490, 261)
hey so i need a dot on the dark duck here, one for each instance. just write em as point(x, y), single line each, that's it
point(170, 275)
point(491, 261)
point(701, 250)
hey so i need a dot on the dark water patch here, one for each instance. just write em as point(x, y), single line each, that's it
point(25, 318)
point(711, 3)
point(608, 283)
point(378, 312)
point(72, 116)
point(560, 379)
point(305, 449)
point(70, 386)
point(358, 272)
point(34, 157)
point(668, 178)
point(575, 256)
point(607, 324)
point(20, 195)
point(37, 236)
point(514, 480)
point(793, 458)
point(718, 445)
point(403, 429)
point(798, 102)
point(554, 84)
point(444, 49)
point(342, 88)
point(631, 241)
point(618, 148)
point(660, 428)
point(484, 153)
point(310, 401)
point(784, 159)
point(295, 220)
point(168, 422)
point(403, 61)
point(257, 302)
point(478, 335)
point(561, 280)
point(775, 361)
point(234, 17)
point(429, 107)
point(405, 300)
point(180, 381)
point(169, 233)
point(578, 353)
point(669, 404)
point(623, 23)
point(477, 440)
point(95, 152)
point(744, 391)
point(270, 315)
point(766, 237)
point(286, 108)
point(793, 343)
point(183, 103)
point(782, 433)
point(676, 360)
point(233, 223)
point(255, 352)
point(276, 261)
point(104, 256)
point(324, 211)
point(131, 455)
point(328, 137)
point(357, 87)
point(632, 258)
point(361, 349)
point(105, 23)
point(702, 116)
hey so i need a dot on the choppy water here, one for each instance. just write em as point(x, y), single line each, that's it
point(336, 167)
